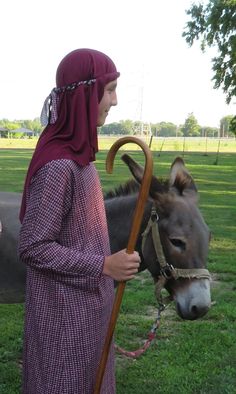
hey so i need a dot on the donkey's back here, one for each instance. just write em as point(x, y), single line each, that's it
point(12, 273)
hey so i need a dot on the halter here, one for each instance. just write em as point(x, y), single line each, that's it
point(167, 271)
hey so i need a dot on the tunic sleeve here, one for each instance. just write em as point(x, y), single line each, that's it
point(48, 204)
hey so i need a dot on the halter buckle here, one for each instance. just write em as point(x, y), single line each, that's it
point(154, 215)
point(166, 271)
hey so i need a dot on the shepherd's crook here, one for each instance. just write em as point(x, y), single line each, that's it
point(137, 219)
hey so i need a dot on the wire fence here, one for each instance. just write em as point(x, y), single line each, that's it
point(157, 144)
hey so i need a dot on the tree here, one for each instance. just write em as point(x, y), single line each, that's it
point(232, 126)
point(12, 125)
point(124, 127)
point(225, 125)
point(191, 127)
point(165, 129)
point(127, 127)
point(33, 125)
point(214, 23)
point(211, 131)
point(110, 129)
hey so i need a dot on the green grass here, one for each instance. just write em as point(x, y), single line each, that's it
point(159, 144)
point(11, 318)
point(196, 357)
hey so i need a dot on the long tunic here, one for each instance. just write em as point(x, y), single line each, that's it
point(63, 241)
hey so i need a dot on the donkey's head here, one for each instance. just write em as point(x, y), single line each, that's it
point(184, 238)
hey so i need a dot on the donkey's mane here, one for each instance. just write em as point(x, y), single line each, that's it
point(132, 187)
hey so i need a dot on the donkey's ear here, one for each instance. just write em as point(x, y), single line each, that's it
point(180, 179)
point(137, 171)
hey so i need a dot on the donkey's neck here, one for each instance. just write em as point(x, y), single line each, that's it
point(120, 211)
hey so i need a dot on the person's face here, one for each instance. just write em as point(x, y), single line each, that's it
point(108, 100)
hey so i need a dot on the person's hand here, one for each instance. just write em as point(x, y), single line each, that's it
point(121, 266)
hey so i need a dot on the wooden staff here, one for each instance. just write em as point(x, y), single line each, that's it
point(137, 219)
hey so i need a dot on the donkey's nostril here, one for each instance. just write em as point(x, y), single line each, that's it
point(194, 311)
point(199, 311)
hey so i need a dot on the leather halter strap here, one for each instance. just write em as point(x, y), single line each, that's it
point(167, 270)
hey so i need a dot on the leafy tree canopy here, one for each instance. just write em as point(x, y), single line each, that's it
point(124, 127)
point(164, 129)
point(191, 127)
point(214, 24)
point(33, 125)
point(232, 126)
point(210, 132)
point(226, 124)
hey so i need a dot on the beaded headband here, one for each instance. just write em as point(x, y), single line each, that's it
point(49, 111)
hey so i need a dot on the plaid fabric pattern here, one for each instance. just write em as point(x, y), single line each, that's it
point(63, 241)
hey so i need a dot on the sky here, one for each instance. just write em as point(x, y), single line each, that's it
point(162, 79)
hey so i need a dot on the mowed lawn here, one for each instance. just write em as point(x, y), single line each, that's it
point(187, 357)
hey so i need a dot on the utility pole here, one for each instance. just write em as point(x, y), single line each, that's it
point(141, 111)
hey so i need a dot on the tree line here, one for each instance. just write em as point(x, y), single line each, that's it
point(9, 127)
point(190, 128)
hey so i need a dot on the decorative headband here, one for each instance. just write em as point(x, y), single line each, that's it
point(73, 86)
point(49, 110)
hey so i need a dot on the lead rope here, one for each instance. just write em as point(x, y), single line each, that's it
point(152, 224)
point(159, 252)
point(150, 337)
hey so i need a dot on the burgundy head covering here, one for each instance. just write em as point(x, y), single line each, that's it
point(72, 134)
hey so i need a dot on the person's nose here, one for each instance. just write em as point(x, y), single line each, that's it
point(114, 100)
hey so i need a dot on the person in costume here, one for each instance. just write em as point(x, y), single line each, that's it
point(64, 238)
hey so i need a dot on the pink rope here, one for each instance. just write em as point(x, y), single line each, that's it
point(150, 337)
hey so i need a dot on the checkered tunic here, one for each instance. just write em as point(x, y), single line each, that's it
point(63, 241)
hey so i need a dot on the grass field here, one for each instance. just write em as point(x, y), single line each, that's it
point(205, 145)
point(196, 357)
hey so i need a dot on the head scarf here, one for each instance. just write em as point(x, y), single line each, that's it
point(71, 111)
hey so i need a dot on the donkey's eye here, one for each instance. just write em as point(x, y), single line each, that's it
point(178, 243)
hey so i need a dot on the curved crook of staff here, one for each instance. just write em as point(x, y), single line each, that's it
point(137, 219)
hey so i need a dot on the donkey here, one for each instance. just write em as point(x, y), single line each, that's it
point(184, 238)
point(183, 233)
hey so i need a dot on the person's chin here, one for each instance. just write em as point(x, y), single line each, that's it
point(101, 122)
